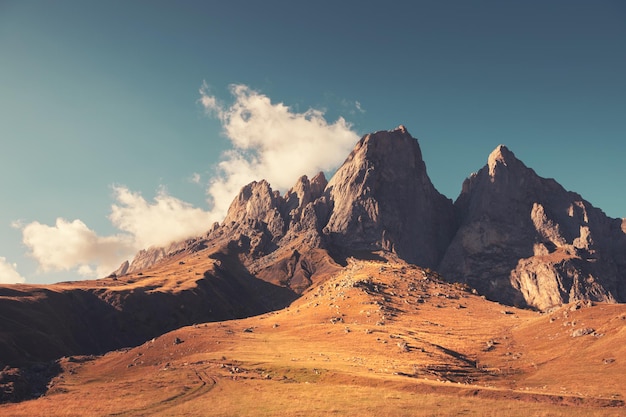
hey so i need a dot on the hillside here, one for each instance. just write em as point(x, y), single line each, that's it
point(377, 338)
point(43, 323)
point(371, 289)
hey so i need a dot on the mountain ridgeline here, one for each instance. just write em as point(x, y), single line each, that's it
point(515, 237)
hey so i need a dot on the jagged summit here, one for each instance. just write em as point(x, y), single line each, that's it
point(500, 156)
point(383, 145)
point(513, 235)
point(382, 199)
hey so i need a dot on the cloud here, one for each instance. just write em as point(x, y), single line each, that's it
point(195, 178)
point(8, 273)
point(159, 223)
point(271, 142)
point(268, 141)
point(70, 245)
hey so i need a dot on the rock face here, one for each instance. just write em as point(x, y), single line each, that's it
point(121, 270)
point(525, 240)
point(379, 200)
point(271, 220)
point(278, 237)
point(514, 236)
point(382, 198)
point(150, 256)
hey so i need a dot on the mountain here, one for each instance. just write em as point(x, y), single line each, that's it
point(381, 198)
point(511, 236)
point(525, 240)
point(516, 237)
point(380, 202)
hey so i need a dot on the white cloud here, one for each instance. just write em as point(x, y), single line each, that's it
point(68, 245)
point(72, 245)
point(159, 223)
point(272, 142)
point(195, 178)
point(269, 141)
point(8, 273)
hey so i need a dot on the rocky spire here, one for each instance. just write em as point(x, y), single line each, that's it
point(382, 199)
point(500, 157)
point(255, 205)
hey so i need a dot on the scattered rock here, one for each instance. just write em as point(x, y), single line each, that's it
point(490, 345)
point(582, 332)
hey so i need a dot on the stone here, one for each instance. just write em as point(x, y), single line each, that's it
point(582, 332)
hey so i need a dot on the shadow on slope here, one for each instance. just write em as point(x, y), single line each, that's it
point(42, 324)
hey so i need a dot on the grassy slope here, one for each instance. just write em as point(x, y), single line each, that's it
point(376, 339)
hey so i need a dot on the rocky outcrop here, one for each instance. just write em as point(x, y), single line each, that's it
point(148, 257)
point(382, 199)
point(258, 207)
point(270, 220)
point(121, 270)
point(278, 237)
point(525, 240)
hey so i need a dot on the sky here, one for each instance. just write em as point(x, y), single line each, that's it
point(126, 124)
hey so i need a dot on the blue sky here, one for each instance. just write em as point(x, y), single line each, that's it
point(131, 104)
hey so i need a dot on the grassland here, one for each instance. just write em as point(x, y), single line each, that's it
point(379, 339)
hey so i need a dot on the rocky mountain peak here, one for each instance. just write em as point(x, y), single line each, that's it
point(305, 191)
point(500, 156)
point(383, 199)
point(525, 239)
point(257, 205)
point(319, 183)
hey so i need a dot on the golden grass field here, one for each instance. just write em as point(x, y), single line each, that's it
point(374, 339)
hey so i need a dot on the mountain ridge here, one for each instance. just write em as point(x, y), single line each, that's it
point(537, 250)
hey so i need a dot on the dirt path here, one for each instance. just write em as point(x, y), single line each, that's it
point(202, 384)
